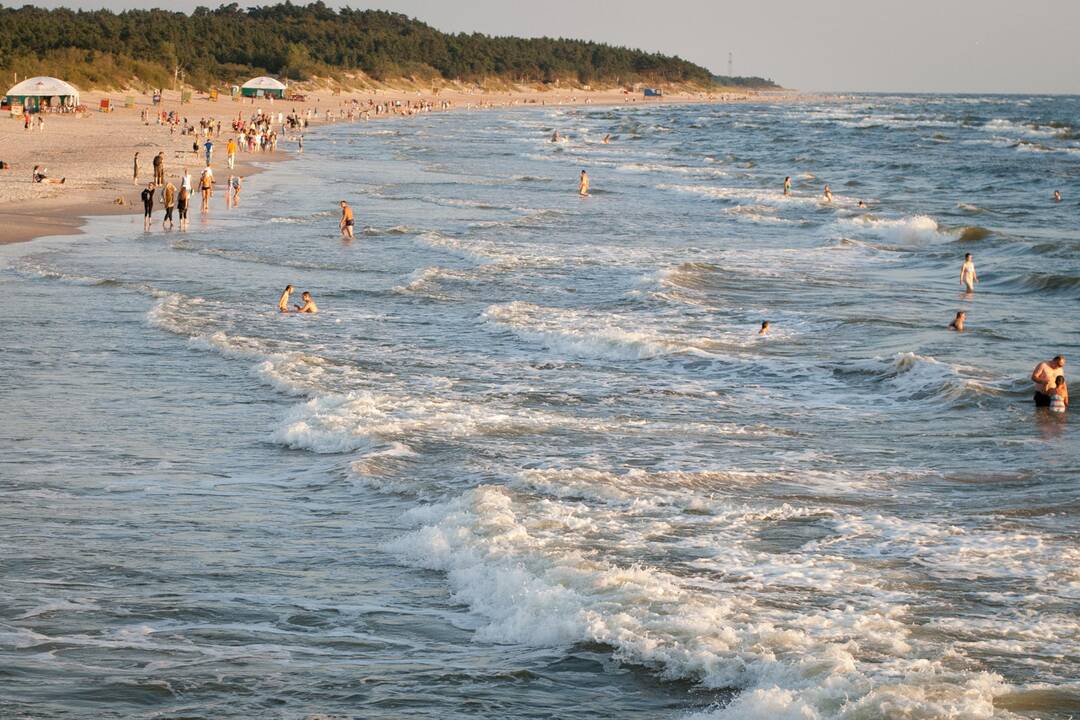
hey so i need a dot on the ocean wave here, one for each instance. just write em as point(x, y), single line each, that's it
point(918, 229)
point(910, 377)
point(543, 572)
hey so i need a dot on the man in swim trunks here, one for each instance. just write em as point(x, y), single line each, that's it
point(283, 301)
point(148, 205)
point(309, 304)
point(968, 278)
point(1045, 378)
point(347, 221)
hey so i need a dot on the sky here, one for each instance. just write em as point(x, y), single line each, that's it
point(978, 46)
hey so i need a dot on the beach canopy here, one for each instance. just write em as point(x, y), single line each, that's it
point(263, 86)
point(37, 91)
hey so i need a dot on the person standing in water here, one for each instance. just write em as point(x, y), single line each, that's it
point(787, 185)
point(1059, 395)
point(968, 277)
point(764, 328)
point(346, 223)
point(1045, 377)
point(283, 301)
point(958, 322)
point(148, 205)
point(1057, 196)
point(583, 186)
point(309, 304)
point(168, 196)
point(237, 185)
point(828, 194)
point(206, 186)
point(183, 202)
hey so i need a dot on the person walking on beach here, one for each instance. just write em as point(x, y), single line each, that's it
point(135, 171)
point(235, 185)
point(206, 185)
point(185, 181)
point(148, 206)
point(283, 301)
point(209, 147)
point(583, 185)
point(958, 322)
point(168, 196)
point(787, 185)
point(309, 305)
point(1045, 377)
point(347, 221)
point(183, 201)
point(159, 169)
point(230, 151)
point(968, 278)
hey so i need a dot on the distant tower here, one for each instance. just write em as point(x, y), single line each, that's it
point(731, 64)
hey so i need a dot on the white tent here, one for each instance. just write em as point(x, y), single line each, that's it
point(262, 86)
point(35, 91)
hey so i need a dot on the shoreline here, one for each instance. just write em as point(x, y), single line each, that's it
point(98, 148)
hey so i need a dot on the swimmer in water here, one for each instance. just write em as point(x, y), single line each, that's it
point(607, 139)
point(583, 186)
point(968, 278)
point(787, 185)
point(555, 136)
point(764, 328)
point(347, 221)
point(1045, 377)
point(283, 302)
point(1057, 196)
point(958, 322)
point(1059, 395)
point(862, 204)
point(828, 194)
point(309, 305)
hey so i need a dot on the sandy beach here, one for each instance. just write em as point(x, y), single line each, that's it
point(94, 151)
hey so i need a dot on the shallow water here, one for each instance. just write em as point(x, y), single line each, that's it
point(532, 459)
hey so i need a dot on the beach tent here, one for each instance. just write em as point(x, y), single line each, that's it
point(41, 92)
point(263, 86)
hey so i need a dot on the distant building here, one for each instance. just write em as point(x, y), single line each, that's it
point(40, 93)
point(263, 86)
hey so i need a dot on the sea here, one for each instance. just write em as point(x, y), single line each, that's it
point(532, 458)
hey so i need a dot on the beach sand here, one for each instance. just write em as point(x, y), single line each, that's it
point(94, 151)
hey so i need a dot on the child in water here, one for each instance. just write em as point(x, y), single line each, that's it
point(1059, 395)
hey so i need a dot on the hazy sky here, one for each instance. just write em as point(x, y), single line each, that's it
point(900, 45)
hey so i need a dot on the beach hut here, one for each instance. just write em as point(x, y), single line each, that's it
point(38, 93)
point(263, 86)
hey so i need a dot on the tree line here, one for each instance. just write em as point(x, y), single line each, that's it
point(100, 48)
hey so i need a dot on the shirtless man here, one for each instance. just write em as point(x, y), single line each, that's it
point(968, 278)
point(283, 302)
point(583, 186)
point(958, 322)
point(787, 185)
point(347, 221)
point(309, 305)
point(1045, 378)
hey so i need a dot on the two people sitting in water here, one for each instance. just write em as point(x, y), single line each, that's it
point(309, 305)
